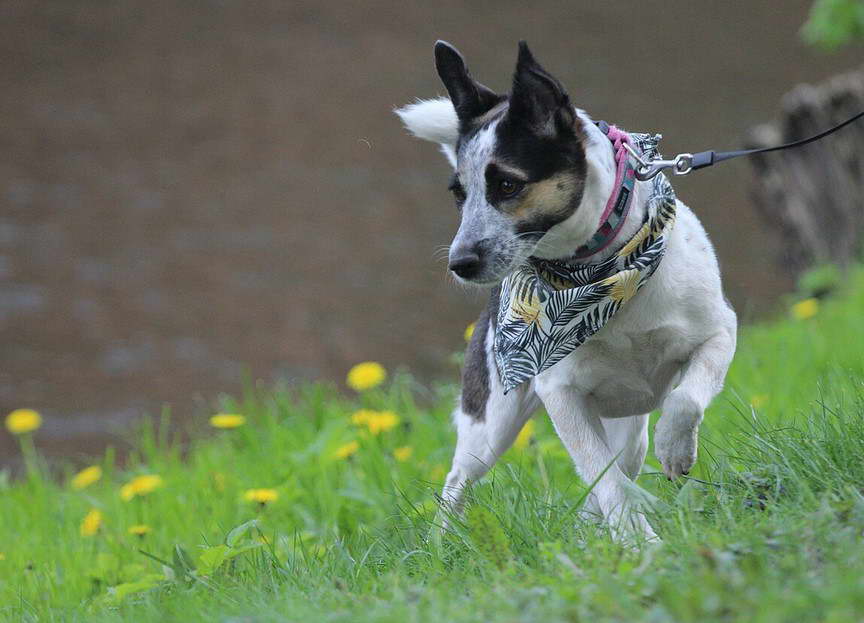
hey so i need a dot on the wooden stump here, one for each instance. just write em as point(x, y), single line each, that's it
point(814, 194)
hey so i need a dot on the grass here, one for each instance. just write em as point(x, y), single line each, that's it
point(768, 528)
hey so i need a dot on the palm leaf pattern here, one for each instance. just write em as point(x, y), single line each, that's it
point(551, 307)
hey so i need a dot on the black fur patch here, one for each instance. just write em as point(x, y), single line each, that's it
point(475, 371)
point(539, 225)
point(470, 98)
point(541, 135)
point(541, 157)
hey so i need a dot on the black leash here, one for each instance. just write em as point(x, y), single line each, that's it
point(682, 164)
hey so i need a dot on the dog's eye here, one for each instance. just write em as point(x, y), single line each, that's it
point(509, 188)
point(456, 188)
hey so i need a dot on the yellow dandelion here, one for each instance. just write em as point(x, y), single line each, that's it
point(346, 450)
point(91, 523)
point(382, 421)
point(524, 436)
point(469, 331)
point(227, 420)
point(361, 417)
point(2, 556)
point(262, 496)
point(403, 454)
point(139, 486)
point(127, 492)
point(366, 375)
point(86, 477)
point(624, 285)
point(23, 421)
point(375, 421)
point(802, 310)
point(139, 530)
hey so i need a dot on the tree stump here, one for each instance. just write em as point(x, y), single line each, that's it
point(815, 193)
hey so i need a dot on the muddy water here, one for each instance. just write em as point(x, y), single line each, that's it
point(193, 190)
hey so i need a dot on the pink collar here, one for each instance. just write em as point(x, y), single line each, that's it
point(618, 205)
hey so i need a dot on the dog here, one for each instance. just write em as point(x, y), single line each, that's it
point(532, 174)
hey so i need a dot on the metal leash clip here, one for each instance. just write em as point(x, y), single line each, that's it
point(681, 165)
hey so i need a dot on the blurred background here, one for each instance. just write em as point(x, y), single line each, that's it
point(193, 192)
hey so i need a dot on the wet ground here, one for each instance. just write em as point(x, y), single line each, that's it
point(193, 191)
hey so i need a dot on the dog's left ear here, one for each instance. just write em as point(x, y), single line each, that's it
point(538, 100)
point(433, 120)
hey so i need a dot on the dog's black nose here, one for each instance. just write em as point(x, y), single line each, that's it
point(466, 265)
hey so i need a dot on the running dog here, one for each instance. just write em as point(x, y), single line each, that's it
point(606, 301)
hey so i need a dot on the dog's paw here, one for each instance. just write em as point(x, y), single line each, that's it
point(591, 512)
point(625, 508)
point(676, 435)
point(631, 529)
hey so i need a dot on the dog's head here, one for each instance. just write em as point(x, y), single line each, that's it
point(520, 165)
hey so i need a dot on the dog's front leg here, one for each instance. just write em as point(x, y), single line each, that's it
point(581, 430)
point(483, 437)
point(676, 432)
point(487, 420)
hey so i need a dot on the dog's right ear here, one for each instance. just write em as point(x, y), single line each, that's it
point(470, 98)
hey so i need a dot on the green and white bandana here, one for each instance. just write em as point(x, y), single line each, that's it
point(548, 308)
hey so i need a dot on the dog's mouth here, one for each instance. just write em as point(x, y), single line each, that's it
point(480, 281)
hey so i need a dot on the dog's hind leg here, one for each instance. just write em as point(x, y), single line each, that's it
point(582, 431)
point(486, 420)
point(628, 440)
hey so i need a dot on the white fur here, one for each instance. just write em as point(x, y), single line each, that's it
point(477, 221)
point(668, 348)
point(433, 120)
point(479, 444)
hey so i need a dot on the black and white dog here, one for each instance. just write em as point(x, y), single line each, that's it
point(533, 175)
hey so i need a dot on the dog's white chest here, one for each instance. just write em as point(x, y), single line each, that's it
point(628, 373)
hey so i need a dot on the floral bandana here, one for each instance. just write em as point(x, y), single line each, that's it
point(548, 308)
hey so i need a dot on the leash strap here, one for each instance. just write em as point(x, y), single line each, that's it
point(682, 164)
point(707, 158)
